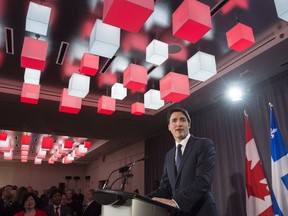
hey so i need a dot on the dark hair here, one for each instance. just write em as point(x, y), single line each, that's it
point(53, 192)
point(26, 196)
point(19, 195)
point(172, 110)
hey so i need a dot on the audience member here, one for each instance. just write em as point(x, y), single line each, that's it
point(80, 197)
point(56, 209)
point(6, 201)
point(18, 199)
point(29, 205)
point(93, 208)
point(75, 206)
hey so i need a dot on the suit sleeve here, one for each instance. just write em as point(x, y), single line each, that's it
point(197, 186)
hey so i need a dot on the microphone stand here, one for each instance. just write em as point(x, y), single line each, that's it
point(125, 169)
point(125, 177)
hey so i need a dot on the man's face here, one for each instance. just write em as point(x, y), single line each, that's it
point(89, 196)
point(7, 192)
point(178, 126)
point(56, 198)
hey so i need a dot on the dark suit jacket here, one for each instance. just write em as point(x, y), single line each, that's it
point(64, 211)
point(94, 209)
point(191, 187)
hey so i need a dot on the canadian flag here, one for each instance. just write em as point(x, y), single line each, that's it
point(258, 199)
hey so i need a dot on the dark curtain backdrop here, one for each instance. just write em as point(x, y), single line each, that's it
point(224, 124)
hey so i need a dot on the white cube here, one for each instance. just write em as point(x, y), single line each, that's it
point(104, 39)
point(32, 76)
point(118, 91)
point(78, 85)
point(157, 52)
point(37, 19)
point(201, 66)
point(282, 9)
point(152, 100)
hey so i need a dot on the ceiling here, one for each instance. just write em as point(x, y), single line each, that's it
point(71, 23)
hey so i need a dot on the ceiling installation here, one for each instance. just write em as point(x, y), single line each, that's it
point(101, 72)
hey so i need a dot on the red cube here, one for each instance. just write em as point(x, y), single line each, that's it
point(137, 108)
point(240, 37)
point(26, 139)
point(34, 53)
point(135, 77)
point(89, 64)
point(47, 142)
point(191, 20)
point(174, 87)
point(129, 15)
point(106, 105)
point(30, 93)
point(69, 104)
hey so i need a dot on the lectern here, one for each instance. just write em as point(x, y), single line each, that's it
point(121, 203)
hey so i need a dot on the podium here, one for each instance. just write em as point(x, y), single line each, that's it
point(121, 203)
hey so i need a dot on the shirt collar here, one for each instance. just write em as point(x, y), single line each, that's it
point(184, 142)
point(56, 206)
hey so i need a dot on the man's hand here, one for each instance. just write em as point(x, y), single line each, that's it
point(165, 201)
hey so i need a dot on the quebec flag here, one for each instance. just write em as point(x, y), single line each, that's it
point(279, 168)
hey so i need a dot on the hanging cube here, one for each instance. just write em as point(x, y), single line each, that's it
point(8, 155)
point(157, 52)
point(25, 147)
point(201, 66)
point(30, 93)
point(129, 15)
point(174, 87)
point(79, 85)
point(106, 105)
point(137, 108)
point(37, 160)
point(135, 77)
point(240, 37)
point(87, 144)
point(37, 19)
point(5, 146)
point(32, 76)
point(26, 139)
point(118, 91)
point(89, 64)
point(104, 39)
point(34, 54)
point(68, 143)
point(282, 9)
point(24, 153)
point(69, 104)
point(47, 143)
point(152, 100)
point(3, 136)
point(191, 20)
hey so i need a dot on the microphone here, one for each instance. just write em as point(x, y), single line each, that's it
point(127, 166)
point(123, 169)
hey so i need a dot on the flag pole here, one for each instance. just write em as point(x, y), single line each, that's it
point(245, 113)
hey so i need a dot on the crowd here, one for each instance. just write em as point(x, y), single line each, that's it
point(25, 201)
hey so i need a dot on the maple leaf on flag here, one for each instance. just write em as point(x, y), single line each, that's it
point(253, 177)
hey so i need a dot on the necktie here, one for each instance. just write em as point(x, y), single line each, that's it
point(57, 211)
point(178, 156)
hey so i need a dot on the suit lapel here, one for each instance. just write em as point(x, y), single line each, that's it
point(171, 164)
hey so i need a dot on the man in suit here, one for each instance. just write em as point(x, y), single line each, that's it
point(188, 170)
point(56, 209)
point(93, 208)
